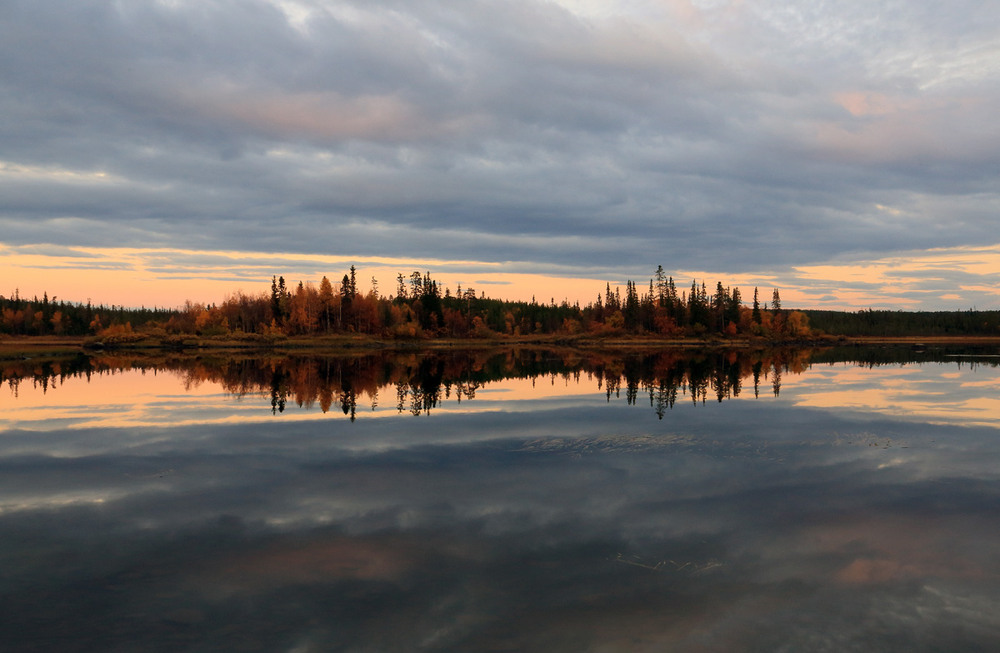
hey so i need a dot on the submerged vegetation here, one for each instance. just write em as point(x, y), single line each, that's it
point(419, 308)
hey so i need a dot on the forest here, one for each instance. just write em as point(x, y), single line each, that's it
point(419, 308)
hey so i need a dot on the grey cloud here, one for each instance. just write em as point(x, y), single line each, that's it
point(430, 130)
point(84, 266)
point(53, 250)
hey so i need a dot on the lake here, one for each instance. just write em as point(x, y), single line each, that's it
point(506, 500)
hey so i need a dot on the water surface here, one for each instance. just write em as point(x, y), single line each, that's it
point(515, 500)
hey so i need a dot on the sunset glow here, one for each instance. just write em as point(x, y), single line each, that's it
point(169, 277)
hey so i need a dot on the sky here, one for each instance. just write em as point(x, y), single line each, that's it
point(847, 153)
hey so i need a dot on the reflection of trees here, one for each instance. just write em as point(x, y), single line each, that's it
point(42, 374)
point(279, 392)
point(423, 380)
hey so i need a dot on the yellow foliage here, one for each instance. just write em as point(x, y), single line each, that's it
point(118, 333)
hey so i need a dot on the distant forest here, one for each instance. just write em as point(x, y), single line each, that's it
point(418, 307)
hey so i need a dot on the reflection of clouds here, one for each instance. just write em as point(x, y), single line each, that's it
point(778, 527)
point(516, 542)
point(882, 546)
point(934, 393)
point(56, 501)
point(315, 560)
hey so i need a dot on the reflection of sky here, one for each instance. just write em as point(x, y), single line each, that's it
point(938, 392)
point(582, 524)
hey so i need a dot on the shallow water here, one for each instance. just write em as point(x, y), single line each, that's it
point(503, 501)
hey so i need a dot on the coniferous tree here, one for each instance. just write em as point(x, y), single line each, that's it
point(719, 302)
point(735, 302)
point(279, 300)
point(275, 299)
point(778, 316)
point(699, 316)
point(661, 287)
point(400, 286)
point(631, 309)
point(346, 300)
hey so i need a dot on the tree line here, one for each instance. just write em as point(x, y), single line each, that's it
point(884, 323)
point(20, 315)
point(420, 307)
point(417, 306)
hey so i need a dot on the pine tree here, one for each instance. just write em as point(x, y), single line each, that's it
point(661, 287)
point(279, 300)
point(344, 314)
point(631, 312)
point(400, 286)
point(719, 302)
point(733, 308)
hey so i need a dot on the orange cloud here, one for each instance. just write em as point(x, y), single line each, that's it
point(860, 103)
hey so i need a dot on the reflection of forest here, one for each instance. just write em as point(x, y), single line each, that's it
point(422, 380)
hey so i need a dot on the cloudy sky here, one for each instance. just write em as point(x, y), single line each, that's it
point(847, 153)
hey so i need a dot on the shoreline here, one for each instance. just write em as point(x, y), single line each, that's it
point(20, 346)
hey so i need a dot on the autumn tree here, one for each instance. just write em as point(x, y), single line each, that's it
point(303, 310)
point(326, 305)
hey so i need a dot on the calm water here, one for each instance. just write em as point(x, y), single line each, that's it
point(503, 501)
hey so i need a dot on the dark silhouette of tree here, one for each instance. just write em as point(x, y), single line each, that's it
point(734, 304)
point(400, 287)
point(661, 287)
point(631, 309)
point(279, 300)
